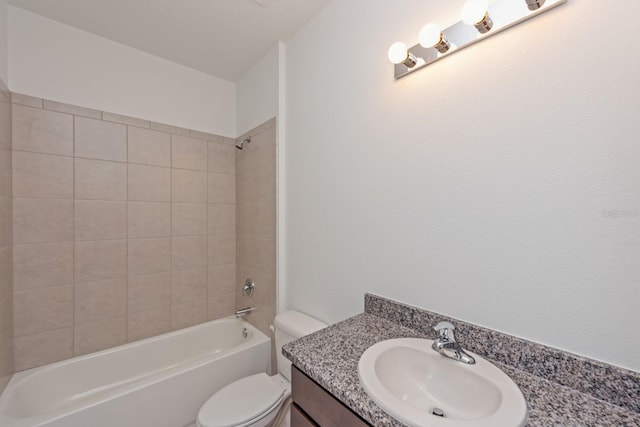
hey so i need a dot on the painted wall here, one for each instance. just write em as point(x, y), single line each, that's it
point(500, 186)
point(4, 67)
point(55, 61)
point(257, 93)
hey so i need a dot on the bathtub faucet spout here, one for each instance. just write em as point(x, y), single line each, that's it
point(244, 311)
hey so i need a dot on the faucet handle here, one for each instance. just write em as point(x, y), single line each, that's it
point(445, 330)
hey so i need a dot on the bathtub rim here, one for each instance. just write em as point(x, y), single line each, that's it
point(153, 377)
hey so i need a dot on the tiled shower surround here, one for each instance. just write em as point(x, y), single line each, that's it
point(123, 229)
point(256, 213)
point(6, 276)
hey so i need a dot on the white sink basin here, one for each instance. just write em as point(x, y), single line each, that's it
point(409, 380)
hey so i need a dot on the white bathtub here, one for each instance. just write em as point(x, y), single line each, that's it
point(157, 382)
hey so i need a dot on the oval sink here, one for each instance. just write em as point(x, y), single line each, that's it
point(420, 387)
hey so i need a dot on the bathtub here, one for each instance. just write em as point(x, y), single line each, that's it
point(157, 382)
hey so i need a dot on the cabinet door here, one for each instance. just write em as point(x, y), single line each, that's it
point(299, 418)
point(319, 405)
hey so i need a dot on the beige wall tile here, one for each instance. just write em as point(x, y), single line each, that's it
point(104, 299)
point(221, 292)
point(100, 260)
point(222, 219)
point(100, 220)
point(131, 121)
point(169, 129)
point(265, 188)
point(221, 158)
point(188, 252)
point(42, 131)
point(149, 147)
point(72, 109)
point(189, 186)
point(222, 188)
point(258, 253)
point(149, 183)
point(222, 279)
point(221, 249)
point(188, 219)
point(5, 172)
point(42, 265)
point(6, 358)
point(96, 139)
point(41, 310)
point(29, 101)
point(185, 315)
point(43, 348)
point(42, 220)
point(188, 285)
point(188, 153)
point(245, 188)
point(6, 223)
point(149, 219)
point(5, 125)
point(206, 136)
point(148, 256)
point(100, 180)
point(42, 175)
point(148, 324)
point(95, 336)
point(149, 292)
point(6, 275)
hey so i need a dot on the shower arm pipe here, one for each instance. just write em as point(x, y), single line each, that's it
point(240, 145)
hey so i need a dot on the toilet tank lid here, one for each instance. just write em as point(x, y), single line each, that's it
point(298, 324)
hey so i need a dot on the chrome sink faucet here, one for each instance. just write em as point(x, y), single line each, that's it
point(447, 345)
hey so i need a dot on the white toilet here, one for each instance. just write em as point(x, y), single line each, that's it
point(255, 401)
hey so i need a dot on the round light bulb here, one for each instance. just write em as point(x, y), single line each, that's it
point(430, 35)
point(398, 53)
point(474, 11)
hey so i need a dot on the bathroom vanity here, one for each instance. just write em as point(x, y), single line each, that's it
point(560, 388)
point(314, 406)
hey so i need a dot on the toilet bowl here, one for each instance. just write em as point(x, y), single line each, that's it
point(256, 400)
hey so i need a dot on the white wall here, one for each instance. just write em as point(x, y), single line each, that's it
point(500, 185)
point(51, 60)
point(4, 67)
point(257, 93)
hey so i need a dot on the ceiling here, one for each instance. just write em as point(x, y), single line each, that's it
point(223, 38)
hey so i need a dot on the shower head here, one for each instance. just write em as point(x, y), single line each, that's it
point(240, 145)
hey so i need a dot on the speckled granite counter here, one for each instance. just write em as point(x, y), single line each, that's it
point(330, 357)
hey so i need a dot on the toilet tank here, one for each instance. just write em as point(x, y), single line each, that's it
point(291, 325)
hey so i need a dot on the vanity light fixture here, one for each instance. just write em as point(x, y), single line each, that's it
point(534, 4)
point(480, 19)
point(476, 13)
point(399, 54)
point(431, 36)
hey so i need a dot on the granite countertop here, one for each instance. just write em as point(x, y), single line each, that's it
point(330, 357)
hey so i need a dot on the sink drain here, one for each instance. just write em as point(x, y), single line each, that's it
point(438, 412)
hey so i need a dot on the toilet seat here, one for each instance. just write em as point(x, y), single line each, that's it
point(241, 402)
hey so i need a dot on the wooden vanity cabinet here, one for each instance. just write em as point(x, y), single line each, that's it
point(314, 406)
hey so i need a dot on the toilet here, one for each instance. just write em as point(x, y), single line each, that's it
point(255, 401)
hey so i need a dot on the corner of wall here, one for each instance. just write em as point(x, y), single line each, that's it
point(6, 241)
